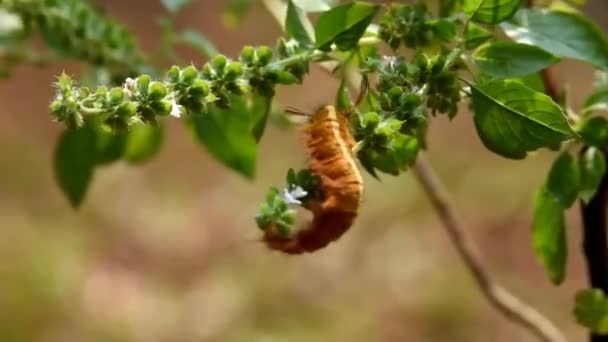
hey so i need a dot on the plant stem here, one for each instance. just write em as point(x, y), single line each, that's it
point(502, 300)
point(595, 245)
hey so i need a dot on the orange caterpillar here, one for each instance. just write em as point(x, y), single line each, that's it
point(330, 144)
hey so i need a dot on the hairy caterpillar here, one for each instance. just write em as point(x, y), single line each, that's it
point(329, 143)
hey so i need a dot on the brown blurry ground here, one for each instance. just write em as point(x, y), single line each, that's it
point(168, 251)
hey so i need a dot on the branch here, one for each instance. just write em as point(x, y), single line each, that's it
point(502, 300)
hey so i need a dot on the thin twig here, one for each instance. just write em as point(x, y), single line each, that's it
point(505, 302)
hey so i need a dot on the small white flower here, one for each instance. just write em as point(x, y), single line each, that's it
point(175, 110)
point(293, 196)
point(129, 86)
point(59, 96)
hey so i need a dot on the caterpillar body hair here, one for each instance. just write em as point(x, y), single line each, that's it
point(329, 142)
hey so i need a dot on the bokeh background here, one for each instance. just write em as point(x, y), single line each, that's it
point(169, 251)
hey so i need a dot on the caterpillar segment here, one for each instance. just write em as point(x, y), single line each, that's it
point(330, 143)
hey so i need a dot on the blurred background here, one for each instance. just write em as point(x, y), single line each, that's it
point(169, 251)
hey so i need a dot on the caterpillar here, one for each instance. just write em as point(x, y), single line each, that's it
point(330, 143)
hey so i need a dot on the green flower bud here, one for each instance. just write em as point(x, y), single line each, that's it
point(370, 120)
point(84, 92)
point(127, 109)
point(143, 82)
point(116, 95)
point(156, 91)
point(173, 74)
point(395, 93)
point(207, 72)
point(162, 108)
point(101, 90)
point(200, 88)
point(233, 70)
point(264, 54)
point(248, 54)
point(56, 107)
point(219, 63)
point(189, 74)
point(437, 63)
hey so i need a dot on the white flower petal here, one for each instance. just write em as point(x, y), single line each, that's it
point(293, 196)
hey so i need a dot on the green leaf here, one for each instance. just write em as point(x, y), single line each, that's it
point(594, 131)
point(297, 25)
point(591, 310)
point(400, 155)
point(226, 134)
point(174, 5)
point(549, 235)
point(563, 34)
point(344, 25)
point(592, 164)
point(143, 143)
point(110, 147)
point(504, 59)
point(475, 35)
point(512, 119)
point(314, 5)
point(74, 163)
point(533, 81)
point(260, 109)
point(235, 11)
point(490, 11)
point(444, 29)
point(597, 100)
point(343, 101)
point(198, 41)
point(563, 182)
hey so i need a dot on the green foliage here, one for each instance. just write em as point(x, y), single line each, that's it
point(227, 135)
point(198, 41)
point(74, 162)
point(549, 235)
point(490, 11)
point(506, 59)
point(413, 26)
point(563, 180)
point(512, 119)
point(343, 25)
point(563, 34)
point(142, 143)
point(475, 35)
point(591, 310)
point(297, 25)
point(73, 29)
point(592, 166)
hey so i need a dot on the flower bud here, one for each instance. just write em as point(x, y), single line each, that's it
point(156, 91)
point(264, 54)
point(162, 108)
point(189, 74)
point(200, 88)
point(116, 95)
point(56, 107)
point(143, 82)
point(248, 54)
point(233, 70)
point(127, 109)
point(219, 62)
point(173, 74)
